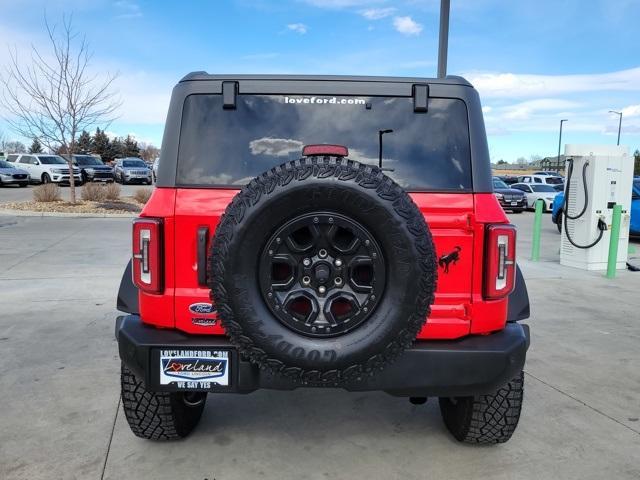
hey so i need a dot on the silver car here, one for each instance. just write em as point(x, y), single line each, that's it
point(131, 170)
point(10, 175)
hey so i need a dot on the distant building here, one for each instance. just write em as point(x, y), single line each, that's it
point(550, 163)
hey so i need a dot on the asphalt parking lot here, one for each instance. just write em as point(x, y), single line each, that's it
point(60, 392)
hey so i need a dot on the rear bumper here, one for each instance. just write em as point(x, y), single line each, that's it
point(468, 366)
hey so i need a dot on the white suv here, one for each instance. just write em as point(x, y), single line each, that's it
point(45, 168)
point(541, 179)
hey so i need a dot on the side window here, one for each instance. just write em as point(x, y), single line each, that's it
point(526, 179)
point(537, 180)
point(31, 160)
point(12, 158)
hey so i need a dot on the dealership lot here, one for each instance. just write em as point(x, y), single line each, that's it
point(58, 284)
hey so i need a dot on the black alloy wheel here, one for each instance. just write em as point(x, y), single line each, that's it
point(322, 274)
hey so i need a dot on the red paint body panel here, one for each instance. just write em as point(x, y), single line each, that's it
point(158, 309)
point(456, 220)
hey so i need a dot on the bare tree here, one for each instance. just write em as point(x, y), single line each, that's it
point(148, 152)
point(54, 97)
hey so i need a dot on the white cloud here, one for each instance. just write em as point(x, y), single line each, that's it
point(300, 28)
point(126, 9)
point(277, 147)
point(377, 13)
point(514, 85)
point(145, 97)
point(407, 26)
point(631, 111)
point(524, 110)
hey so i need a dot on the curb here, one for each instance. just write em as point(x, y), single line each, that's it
point(28, 213)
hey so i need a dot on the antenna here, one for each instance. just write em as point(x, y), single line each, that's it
point(443, 45)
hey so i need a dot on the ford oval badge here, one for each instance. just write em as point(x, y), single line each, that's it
point(202, 308)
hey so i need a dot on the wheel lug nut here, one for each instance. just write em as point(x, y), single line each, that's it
point(322, 253)
point(338, 262)
point(306, 262)
point(337, 281)
point(306, 280)
point(322, 289)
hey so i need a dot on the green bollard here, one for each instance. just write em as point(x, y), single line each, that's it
point(537, 223)
point(613, 241)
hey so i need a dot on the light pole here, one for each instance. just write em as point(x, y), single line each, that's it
point(443, 45)
point(560, 139)
point(619, 123)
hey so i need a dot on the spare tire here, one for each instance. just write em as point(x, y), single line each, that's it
point(322, 270)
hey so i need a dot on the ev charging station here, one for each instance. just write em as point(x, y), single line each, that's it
point(597, 178)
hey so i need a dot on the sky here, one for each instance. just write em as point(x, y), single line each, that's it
point(533, 63)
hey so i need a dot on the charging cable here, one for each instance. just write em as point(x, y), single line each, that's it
point(602, 225)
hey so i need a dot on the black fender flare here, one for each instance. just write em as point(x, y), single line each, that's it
point(518, 308)
point(128, 293)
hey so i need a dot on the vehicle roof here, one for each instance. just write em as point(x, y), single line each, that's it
point(448, 80)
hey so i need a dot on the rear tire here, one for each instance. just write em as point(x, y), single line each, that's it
point(158, 415)
point(485, 419)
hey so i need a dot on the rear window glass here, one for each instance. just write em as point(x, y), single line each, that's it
point(425, 151)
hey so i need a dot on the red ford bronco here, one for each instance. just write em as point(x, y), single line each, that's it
point(323, 232)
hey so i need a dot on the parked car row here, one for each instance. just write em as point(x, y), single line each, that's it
point(520, 196)
point(44, 168)
point(25, 168)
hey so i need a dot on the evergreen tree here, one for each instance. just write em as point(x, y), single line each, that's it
point(130, 147)
point(84, 143)
point(117, 148)
point(102, 145)
point(36, 146)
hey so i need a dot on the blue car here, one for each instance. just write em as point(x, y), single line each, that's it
point(634, 227)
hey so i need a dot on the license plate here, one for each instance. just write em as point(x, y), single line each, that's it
point(514, 204)
point(194, 369)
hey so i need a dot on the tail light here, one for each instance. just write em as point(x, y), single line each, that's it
point(147, 254)
point(500, 258)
